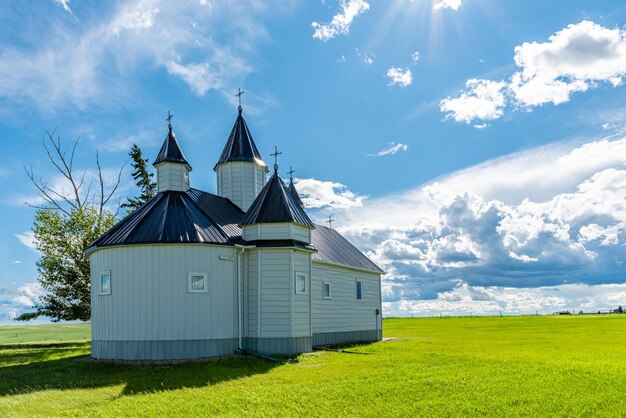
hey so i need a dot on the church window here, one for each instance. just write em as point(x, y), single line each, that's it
point(105, 283)
point(326, 290)
point(359, 290)
point(301, 283)
point(197, 282)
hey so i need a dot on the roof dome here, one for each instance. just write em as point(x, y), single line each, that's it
point(170, 151)
point(276, 204)
point(240, 145)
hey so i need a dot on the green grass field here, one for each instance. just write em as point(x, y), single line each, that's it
point(510, 366)
point(44, 334)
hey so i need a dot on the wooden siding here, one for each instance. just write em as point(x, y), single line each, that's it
point(275, 293)
point(301, 306)
point(149, 298)
point(277, 231)
point(240, 182)
point(342, 312)
point(172, 177)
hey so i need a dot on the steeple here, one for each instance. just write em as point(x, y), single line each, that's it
point(276, 204)
point(292, 188)
point(171, 164)
point(241, 172)
point(240, 146)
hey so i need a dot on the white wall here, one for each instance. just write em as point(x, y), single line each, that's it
point(343, 312)
point(273, 310)
point(149, 297)
point(240, 182)
point(171, 176)
point(277, 231)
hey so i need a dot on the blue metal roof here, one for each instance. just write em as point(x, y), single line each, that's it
point(333, 248)
point(276, 204)
point(170, 151)
point(204, 218)
point(294, 193)
point(240, 145)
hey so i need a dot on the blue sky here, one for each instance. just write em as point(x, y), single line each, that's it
point(474, 148)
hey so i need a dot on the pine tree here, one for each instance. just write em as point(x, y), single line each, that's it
point(142, 178)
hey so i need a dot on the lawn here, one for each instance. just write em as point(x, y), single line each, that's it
point(44, 334)
point(498, 366)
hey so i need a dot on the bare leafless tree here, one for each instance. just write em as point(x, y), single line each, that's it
point(79, 195)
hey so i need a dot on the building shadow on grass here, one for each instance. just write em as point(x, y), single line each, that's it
point(25, 369)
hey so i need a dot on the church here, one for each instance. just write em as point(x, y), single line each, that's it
point(192, 274)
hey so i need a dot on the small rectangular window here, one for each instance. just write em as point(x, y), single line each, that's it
point(359, 290)
point(105, 283)
point(197, 282)
point(326, 290)
point(301, 283)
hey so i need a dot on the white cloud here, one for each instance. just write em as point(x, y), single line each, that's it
point(399, 76)
point(415, 56)
point(366, 57)
point(495, 300)
point(83, 65)
point(198, 76)
point(17, 261)
point(482, 99)
point(580, 57)
point(341, 22)
point(572, 60)
point(317, 194)
point(65, 4)
point(551, 216)
point(27, 239)
point(447, 4)
point(341, 59)
point(392, 148)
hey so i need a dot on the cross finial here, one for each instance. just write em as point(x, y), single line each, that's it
point(238, 95)
point(290, 172)
point(330, 221)
point(169, 119)
point(275, 154)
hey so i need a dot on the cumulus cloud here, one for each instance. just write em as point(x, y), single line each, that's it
point(580, 57)
point(447, 4)
point(318, 194)
point(493, 300)
point(15, 301)
point(82, 65)
point(392, 148)
point(482, 99)
point(399, 76)
point(341, 22)
point(561, 222)
point(415, 56)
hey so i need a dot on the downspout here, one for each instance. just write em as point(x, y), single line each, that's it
point(242, 249)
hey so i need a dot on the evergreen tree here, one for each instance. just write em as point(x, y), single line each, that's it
point(142, 178)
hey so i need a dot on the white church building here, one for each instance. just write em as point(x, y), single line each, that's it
point(192, 274)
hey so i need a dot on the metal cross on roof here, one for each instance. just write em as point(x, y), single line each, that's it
point(238, 95)
point(330, 222)
point(290, 172)
point(169, 119)
point(275, 154)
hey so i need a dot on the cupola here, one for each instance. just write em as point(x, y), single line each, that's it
point(171, 164)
